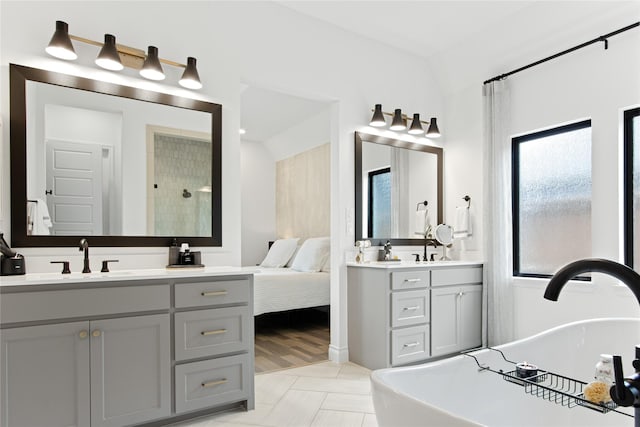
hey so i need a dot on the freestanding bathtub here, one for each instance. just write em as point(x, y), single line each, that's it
point(456, 392)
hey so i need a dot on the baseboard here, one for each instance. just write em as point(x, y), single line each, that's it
point(338, 355)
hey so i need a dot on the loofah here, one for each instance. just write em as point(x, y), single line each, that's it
point(597, 392)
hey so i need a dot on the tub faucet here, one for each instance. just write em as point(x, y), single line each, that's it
point(626, 391)
point(84, 246)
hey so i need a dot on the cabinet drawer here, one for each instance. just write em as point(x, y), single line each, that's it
point(409, 279)
point(456, 276)
point(210, 292)
point(45, 305)
point(210, 332)
point(213, 382)
point(409, 308)
point(409, 345)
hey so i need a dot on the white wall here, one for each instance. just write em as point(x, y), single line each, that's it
point(590, 83)
point(258, 201)
point(257, 43)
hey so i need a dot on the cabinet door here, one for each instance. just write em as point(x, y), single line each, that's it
point(445, 330)
point(45, 375)
point(470, 317)
point(130, 370)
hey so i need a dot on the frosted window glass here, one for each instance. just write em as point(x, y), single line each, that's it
point(635, 135)
point(381, 204)
point(554, 201)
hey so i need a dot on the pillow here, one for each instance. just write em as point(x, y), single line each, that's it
point(280, 253)
point(290, 263)
point(327, 265)
point(312, 255)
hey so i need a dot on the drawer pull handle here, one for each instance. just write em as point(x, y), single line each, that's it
point(83, 334)
point(411, 344)
point(215, 332)
point(213, 293)
point(413, 280)
point(214, 383)
point(96, 333)
point(415, 307)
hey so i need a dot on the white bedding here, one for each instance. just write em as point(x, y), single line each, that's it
point(280, 289)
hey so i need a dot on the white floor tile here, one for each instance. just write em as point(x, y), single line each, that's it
point(352, 371)
point(322, 370)
point(348, 402)
point(370, 420)
point(271, 387)
point(337, 419)
point(333, 385)
point(296, 408)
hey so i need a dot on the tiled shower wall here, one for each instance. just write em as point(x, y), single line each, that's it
point(182, 163)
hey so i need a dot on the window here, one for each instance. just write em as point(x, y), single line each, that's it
point(631, 135)
point(380, 202)
point(551, 199)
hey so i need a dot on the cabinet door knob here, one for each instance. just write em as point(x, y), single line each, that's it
point(96, 333)
point(83, 334)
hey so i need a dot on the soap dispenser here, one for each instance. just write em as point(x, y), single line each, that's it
point(174, 253)
point(186, 257)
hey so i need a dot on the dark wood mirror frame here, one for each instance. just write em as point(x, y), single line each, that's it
point(365, 137)
point(19, 75)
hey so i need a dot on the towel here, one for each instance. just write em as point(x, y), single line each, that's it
point(41, 219)
point(462, 228)
point(422, 222)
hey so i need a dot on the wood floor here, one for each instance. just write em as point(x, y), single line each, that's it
point(291, 339)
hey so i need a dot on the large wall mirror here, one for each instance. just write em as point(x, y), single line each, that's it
point(393, 179)
point(119, 165)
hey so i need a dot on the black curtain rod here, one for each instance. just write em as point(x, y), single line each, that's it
point(564, 52)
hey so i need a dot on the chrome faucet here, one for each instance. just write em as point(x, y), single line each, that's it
point(84, 246)
point(626, 391)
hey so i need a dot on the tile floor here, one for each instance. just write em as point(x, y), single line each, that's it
point(322, 395)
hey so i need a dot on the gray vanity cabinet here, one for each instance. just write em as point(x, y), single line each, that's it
point(45, 375)
point(404, 314)
point(455, 312)
point(124, 364)
point(130, 370)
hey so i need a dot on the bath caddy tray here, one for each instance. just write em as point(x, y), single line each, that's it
point(550, 386)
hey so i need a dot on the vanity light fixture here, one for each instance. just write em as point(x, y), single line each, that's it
point(152, 69)
point(60, 45)
point(399, 122)
point(115, 57)
point(109, 58)
point(433, 131)
point(378, 118)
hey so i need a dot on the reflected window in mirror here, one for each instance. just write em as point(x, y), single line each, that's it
point(392, 177)
point(113, 162)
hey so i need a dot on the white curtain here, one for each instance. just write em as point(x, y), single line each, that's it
point(498, 272)
point(400, 221)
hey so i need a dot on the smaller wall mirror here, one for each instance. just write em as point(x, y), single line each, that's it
point(393, 179)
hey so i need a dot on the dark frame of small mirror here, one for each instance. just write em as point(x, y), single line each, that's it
point(19, 75)
point(361, 137)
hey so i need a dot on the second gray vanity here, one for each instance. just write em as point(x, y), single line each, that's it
point(121, 349)
point(405, 313)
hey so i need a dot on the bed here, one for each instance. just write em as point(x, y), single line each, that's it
point(282, 289)
point(292, 276)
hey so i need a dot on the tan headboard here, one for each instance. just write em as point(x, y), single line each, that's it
point(303, 194)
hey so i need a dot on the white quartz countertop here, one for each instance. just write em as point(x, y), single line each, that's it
point(30, 279)
point(412, 264)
